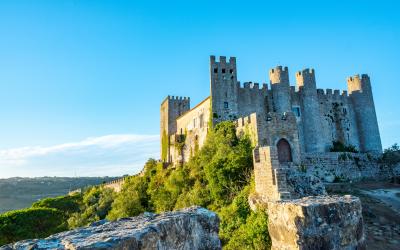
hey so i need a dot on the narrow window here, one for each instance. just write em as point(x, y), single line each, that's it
point(215, 70)
point(226, 105)
point(296, 111)
point(201, 120)
point(223, 71)
point(231, 71)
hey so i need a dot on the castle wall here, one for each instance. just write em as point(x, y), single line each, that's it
point(310, 119)
point(337, 119)
point(193, 126)
point(224, 89)
point(268, 129)
point(341, 166)
point(364, 109)
point(171, 108)
point(252, 99)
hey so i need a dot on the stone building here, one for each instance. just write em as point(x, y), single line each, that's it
point(296, 120)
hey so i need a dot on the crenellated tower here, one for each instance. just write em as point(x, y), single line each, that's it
point(279, 79)
point(171, 108)
point(305, 81)
point(360, 93)
point(224, 89)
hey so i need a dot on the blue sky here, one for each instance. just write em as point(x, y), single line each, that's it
point(73, 72)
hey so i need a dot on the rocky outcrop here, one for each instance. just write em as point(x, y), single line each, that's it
point(191, 228)
point(320, 222)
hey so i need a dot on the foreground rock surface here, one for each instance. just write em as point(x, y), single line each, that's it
point(319, 222)
point(191, 228)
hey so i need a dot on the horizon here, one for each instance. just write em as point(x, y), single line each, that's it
point(81, 83)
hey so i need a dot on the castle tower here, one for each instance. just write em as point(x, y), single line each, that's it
point(279, 78)
point(305, 81)
point(171, 108)
point(360, 94)
point(224, 89)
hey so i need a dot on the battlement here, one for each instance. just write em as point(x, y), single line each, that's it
point(222, 60)
point(253, 85)
point(306, 78)
point(176, 99)
point(279, 74)
point(359, 84)
point(332, 93)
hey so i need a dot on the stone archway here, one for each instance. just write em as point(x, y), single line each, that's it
point(284, 151)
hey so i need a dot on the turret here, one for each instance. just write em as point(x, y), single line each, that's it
point(360, 94)
point(313, 141)
point(171, 108)
point(279, 79)
point(224, 89)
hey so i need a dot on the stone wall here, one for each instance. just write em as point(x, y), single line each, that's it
point(339, 166)
point(321, 116)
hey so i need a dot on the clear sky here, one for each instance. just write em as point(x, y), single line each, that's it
point(81, 81)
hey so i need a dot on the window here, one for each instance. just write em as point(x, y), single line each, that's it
point(344, 111)
point(226, 105)
point(223, 71)
point(231, 71)
point(201, 121)
point(216, 70)
point(296, 111)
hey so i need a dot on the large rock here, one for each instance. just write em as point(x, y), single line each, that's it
point(191, 228)
point(320, 222)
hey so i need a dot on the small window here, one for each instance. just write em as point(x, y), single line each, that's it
point(216, 70)
point(223, 71)
point(201, 120)
point(296, 111)
point(226, 105)
point(231, 71)
point(344, 111)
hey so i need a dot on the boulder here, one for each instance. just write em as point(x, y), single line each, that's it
point(190, 228)
point(319, 222)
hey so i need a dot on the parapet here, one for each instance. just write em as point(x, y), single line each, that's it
point(279, 74)
point(360, 84)
point(222, 60)
point(306, 78)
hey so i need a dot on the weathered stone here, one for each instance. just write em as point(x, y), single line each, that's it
point(321, 222)
point(191, 228)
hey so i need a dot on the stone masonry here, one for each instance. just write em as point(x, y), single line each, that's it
point(313, 118)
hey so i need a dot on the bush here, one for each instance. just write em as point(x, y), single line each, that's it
point(96, 203)
point(391, 156)
point(30, 223)
point(338, 146)
point(66, 204)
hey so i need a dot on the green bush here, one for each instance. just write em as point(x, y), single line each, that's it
point(66, 204)
point(391, 156)
point(338, 146)
point(30, 223)
point(96, 203)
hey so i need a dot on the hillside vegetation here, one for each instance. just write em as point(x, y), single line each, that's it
point(217, 177)
point(18, 193)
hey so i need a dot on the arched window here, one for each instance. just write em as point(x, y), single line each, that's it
point(284, 151)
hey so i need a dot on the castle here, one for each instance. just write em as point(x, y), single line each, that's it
point(295, 120)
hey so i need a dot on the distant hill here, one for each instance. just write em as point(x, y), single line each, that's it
point(17, 193)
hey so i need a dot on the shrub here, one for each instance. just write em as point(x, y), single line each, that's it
point(338, 146)
point(66, 204)
point(30, 223)
point(391, 155)
point(96, 203)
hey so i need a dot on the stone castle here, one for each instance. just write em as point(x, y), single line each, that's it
point(298, 120)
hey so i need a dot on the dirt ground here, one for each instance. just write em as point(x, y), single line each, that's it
point(381, 212)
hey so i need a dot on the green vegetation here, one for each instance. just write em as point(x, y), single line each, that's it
point(391, 156)
point(164, 146)
point(217, 177)
point(338, 146)
point(30, 223)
